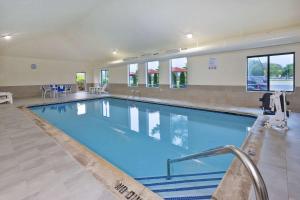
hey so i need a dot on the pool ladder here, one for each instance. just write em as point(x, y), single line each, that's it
point(261, 192)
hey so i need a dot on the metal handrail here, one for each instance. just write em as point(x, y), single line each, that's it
point(261, 192)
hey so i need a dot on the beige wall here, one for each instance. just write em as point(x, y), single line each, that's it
point(16, 71)
point(117, 74)
point(231, 71)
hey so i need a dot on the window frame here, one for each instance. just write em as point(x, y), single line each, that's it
point(170, 73)
point(268, 70)
point(146, 74)
point(128, 77)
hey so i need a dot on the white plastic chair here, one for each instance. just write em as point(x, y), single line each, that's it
point(103, 89)
point(68, 89)
point(45, 89)
point(92, 90)
point(54, 92)
point(6, 97)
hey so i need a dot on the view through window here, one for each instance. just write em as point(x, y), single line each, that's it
point(258, 73)
point(271, 72)
point(282, 72)
point(80, 81)
point(179, 72)
point(104, 77)
point(153, 74)
point(132, 75)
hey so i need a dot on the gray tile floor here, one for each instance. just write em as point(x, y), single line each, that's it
point(34, 166)
point(280, 161)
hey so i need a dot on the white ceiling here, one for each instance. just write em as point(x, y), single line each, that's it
point(89, 30)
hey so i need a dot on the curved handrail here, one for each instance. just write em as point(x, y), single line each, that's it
point(261, 192)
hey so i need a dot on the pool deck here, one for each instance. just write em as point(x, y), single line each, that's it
point(34, 166)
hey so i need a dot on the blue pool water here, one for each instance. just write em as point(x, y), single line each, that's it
point(139, 137)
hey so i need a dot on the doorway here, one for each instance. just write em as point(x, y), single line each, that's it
point(81, 81)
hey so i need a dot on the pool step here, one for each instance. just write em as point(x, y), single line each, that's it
point(184, 186)
point(189, 198)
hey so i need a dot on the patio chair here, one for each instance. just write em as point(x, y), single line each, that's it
point(68, 89)
point(95, 89)
point(103, 89)
point(45, 89)
point(61, 89)
point(92, 90)
point(6, 97)
point(53, 90)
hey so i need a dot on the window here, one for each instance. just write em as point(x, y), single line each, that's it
point(271, 72)
point(258, 73)
point(282, 72)
point(104, 77)
point(132, 75)
point(178, 73)
point(153, 74)
point(81, 81)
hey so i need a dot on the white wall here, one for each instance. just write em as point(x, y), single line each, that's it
point(15, 71)
point(232, 68)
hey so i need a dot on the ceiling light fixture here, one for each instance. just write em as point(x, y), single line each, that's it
point(7, 37)
point(115, 52)
point(189, 36)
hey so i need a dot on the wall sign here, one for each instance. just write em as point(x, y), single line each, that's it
point(212, 64)
point(128, 194)
point(33, 66)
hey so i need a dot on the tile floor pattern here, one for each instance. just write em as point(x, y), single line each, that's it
point(280, 161)
point(34, 166)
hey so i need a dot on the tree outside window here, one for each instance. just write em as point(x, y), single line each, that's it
point(258, 73)
point(132, 75)
point(80, 80)
point(153, 74)
point(271, 72)
point(282, 72)
point(179, 72)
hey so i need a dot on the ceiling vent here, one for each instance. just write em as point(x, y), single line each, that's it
point(146, 55)
point(171, 51)
point(130, 58)
point(183, 49)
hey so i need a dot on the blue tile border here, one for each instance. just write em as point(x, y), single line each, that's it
point(183, 181)
point(189, 198)
point(186, 106)
point(180, 175)
point(146, 101)
point(184, 188)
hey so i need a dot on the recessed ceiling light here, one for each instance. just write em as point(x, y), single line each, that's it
point(115, 52)
point(189, 36)
point(7, 37)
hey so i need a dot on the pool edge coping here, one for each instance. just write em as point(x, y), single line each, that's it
point(237, 183)
point(243, 185)
point(104, 171)
point(154, 101)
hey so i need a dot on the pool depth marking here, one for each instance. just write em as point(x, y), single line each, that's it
point(127, 194)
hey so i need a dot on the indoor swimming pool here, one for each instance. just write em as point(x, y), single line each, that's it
point(138, 137)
